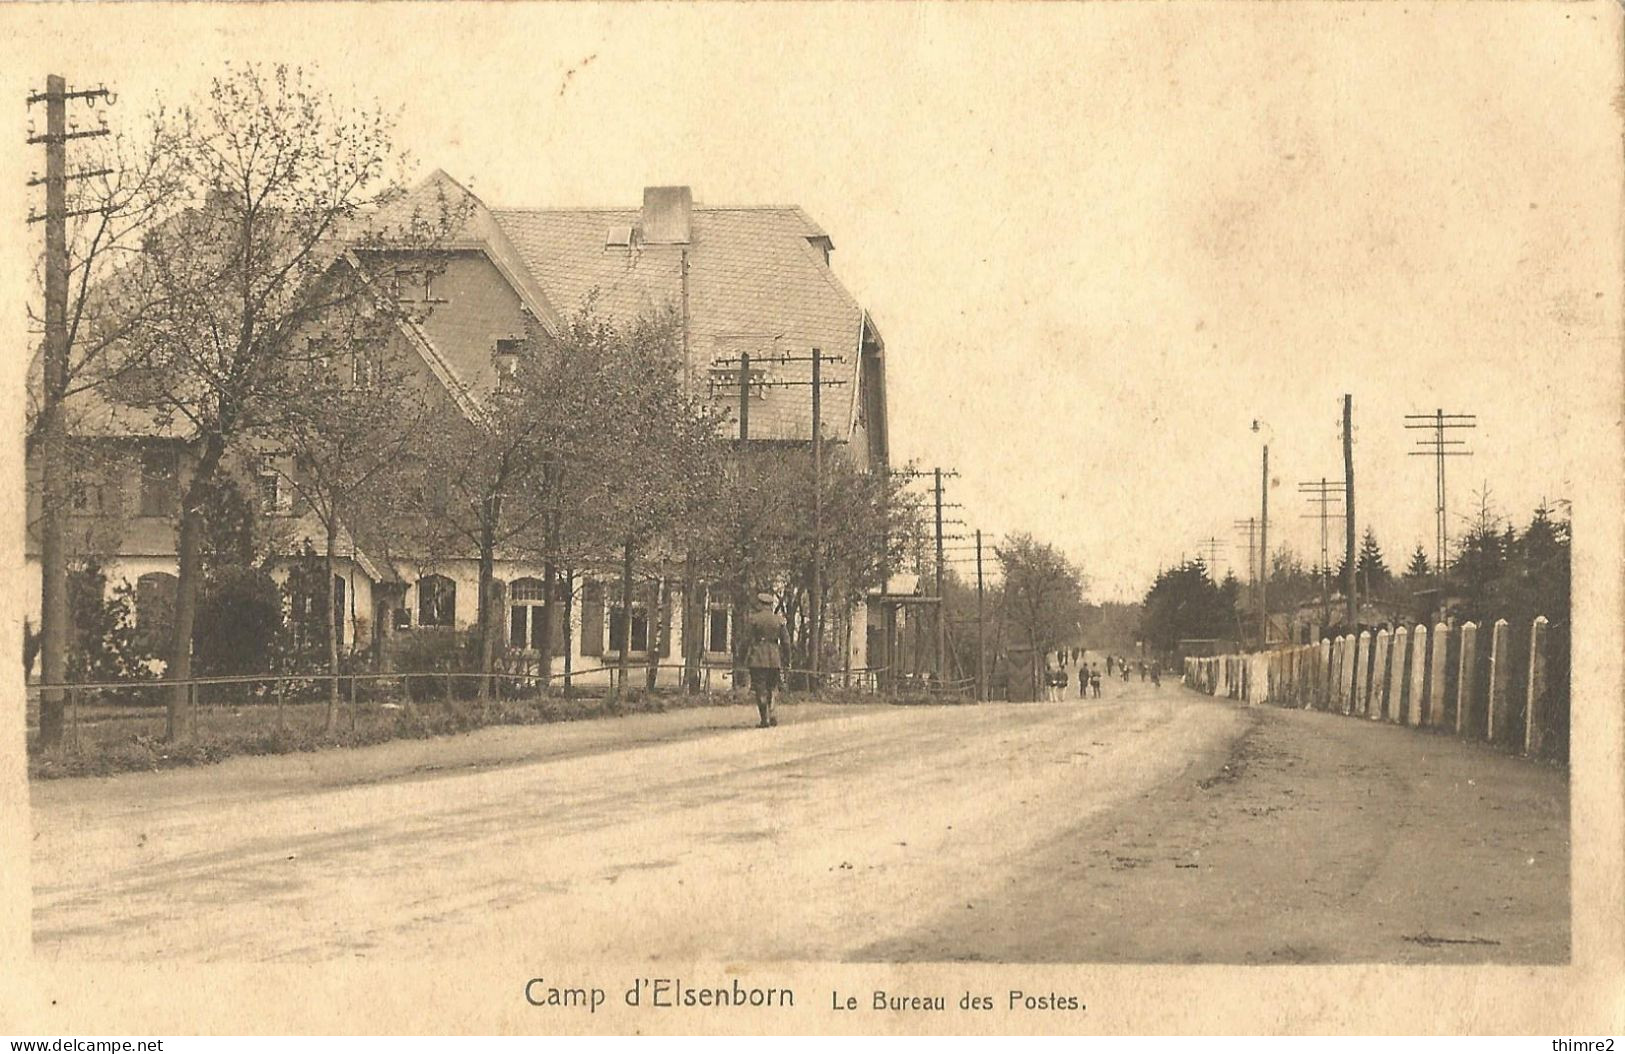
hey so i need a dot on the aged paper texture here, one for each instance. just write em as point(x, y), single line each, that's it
point(1118, 252)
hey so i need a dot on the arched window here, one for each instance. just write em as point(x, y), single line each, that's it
point(437, 601)
point(155, 604)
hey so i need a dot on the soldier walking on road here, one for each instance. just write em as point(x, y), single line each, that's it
point(767, 641)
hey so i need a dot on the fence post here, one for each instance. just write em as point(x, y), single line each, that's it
point(73, 717)
point(1359, 678)
point(1419, 665)
point(1466, 673)
point(1382, 681)
point(1534, 714)
point(280, 694)
point(1500, 678)
point(1440, 654)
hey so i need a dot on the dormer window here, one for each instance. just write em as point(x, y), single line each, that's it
point(406, 285)
point(618, 237)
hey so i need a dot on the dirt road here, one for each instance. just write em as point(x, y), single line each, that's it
point(1148, 826)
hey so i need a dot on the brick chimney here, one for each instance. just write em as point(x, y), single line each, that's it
point(666, 215)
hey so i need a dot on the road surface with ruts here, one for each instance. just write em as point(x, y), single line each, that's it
point(1148, 826)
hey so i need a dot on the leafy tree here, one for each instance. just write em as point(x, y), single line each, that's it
point(276, 172)
point(1043, 594)
point(666, 453)
point(763, 532)
point(347, 423)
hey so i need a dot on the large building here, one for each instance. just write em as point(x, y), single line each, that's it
point(753, 279)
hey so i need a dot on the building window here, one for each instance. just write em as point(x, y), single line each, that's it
point(159, 487)
point(716, 630)
point(640, 629)
point(366, 363)
point(406, 284)
point(437, 601)
point(526, 613)
point(155, 606)
point(592, 617)
point(507, 360)
point(88, 496)
point(276, 495)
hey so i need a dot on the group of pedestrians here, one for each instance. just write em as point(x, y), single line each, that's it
point(1057, 679)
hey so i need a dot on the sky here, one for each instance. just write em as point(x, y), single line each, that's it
point(1100, 240)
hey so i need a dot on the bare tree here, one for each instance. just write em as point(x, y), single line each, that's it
point(123, 184)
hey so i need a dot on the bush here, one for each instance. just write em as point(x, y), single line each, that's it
point(106, 646)
point(239, 622)
point(436, 650)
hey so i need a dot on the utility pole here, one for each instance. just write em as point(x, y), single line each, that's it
point(1212, 545)
point(1323, 492)
point(937, 476)
point(815, 605)
point(53, 426)
point(942, 636)
point(1437, 447)
point(742, 591)
point(1348, 514)
point(981, 633)
point(816, 600)
point(1264, 557)
point(1250, 526)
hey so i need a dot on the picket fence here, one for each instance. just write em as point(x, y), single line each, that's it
point(1489, 683)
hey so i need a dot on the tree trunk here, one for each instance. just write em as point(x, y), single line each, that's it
point(489, 620)
point(657, 624)
point(693, 627)
point(189, 565)
point(624, 661)
point(550, 609)
point(334, 617)
point(569, 635)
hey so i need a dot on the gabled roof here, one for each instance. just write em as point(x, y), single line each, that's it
point(756, 283)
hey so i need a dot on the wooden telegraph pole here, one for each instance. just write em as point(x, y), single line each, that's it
point(53, 427)
point(981, 632)
point(1348, 512)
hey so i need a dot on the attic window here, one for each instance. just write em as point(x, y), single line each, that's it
point(619, 237)
point(507, 356)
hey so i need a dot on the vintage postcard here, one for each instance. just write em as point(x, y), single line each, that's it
point(813, 518)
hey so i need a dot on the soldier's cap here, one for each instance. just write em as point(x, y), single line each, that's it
point(765, 597)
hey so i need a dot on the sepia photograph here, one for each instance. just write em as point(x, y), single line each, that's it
point(804, 518)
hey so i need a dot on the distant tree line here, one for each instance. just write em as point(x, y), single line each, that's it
point(1496, 571)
